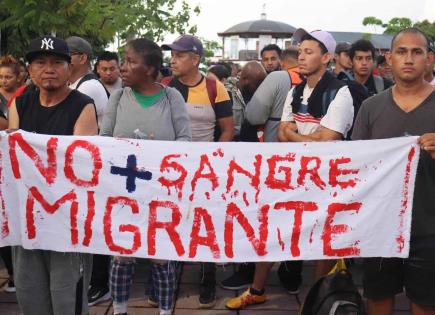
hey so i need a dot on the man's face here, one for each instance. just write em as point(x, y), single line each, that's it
point(8, 79)
point(363, 63)
point(183, 62)
point(270, 60)
point(343, 60)
point(49, 72)
point(108, 70)
point(247, 85)
point(311, 59)
point(409, 57)
point(133, 70)
point(385, 70)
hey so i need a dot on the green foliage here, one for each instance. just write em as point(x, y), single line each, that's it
point(397, 24)
point(210, 46)
point(98, 21)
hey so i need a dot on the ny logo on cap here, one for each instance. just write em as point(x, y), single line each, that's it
point(47, 43)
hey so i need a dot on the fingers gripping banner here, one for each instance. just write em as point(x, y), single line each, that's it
point(207, 201)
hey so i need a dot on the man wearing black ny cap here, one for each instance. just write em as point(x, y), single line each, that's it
point(50, 282)
point(208, 105)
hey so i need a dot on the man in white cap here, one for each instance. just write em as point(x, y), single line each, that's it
point(318, 109)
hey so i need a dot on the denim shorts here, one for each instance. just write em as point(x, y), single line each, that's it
point(386, 277)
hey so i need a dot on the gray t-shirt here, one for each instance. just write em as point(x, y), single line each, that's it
point(381, 118)
point(266, 105)
point(167, 119)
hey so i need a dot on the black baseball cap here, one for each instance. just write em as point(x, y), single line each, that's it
point(48, 45)
point(186, 43)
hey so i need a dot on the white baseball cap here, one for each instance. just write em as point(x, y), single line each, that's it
point(324, 37)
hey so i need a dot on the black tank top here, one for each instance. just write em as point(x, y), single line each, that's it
point(59, 119)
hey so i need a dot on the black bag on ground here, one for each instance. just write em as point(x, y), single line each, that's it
point(334, 294)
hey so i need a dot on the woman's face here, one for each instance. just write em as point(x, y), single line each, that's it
point(133, 71)
point(8, 79)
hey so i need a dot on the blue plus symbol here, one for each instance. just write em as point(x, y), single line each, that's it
point(131, 172)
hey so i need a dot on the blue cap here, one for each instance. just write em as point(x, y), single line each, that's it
point(186, 43)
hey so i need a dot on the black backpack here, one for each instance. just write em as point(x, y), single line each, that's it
point(334, 294)
point(91, 76)
point(358, 92)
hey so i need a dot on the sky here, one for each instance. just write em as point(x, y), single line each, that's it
point(333, 15)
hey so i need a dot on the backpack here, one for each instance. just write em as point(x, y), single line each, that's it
point(358, 92)
point(91, 76)
point(255, 133)
point(334, 294)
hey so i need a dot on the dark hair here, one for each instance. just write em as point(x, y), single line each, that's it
point(220, 71)
point(290, 53)
point(412, 30)
point(322, 45)
point(362, 45)
point(271, 47)
point(151, 52)
point(226, 65)
point(108, 56)
point(10, 62)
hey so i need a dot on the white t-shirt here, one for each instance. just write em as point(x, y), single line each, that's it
point(433, 82)
point(95, 90)
point(339, 116)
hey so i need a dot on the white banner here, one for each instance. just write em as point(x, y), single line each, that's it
point(207, 201)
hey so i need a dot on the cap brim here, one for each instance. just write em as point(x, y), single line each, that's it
point(32, 55)
point(174, 47)
point(299, 34)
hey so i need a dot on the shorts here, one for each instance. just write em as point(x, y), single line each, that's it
point(386, 277)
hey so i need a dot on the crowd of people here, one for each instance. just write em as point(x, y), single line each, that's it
point(316, 91)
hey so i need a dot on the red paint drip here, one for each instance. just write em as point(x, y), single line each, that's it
point(400, 239)
point(165, 166)
point(245, 199)
point(254, 177)
point(5, 224)
point(210, 175)
point(218, 152)
point(312, 231)
point(281, 243)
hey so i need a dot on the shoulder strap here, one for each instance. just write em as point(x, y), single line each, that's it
point(330, 93)
point(166, 81)
point(210, 84)
point(92, 76)
point(379, 83)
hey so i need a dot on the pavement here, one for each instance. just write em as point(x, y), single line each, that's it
point(279, 301)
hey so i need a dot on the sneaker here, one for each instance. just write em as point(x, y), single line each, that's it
point(207, 295)
point(244, 300)
point(152, 301)
point(241, 279)
point(10, 286)
point(98, 295)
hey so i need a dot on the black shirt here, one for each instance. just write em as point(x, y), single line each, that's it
point(59, 119)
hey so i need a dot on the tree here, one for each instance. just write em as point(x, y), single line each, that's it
point(397, 24)
point(98, 21)
point(210, 47)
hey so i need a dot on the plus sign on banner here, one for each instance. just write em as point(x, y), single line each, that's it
point(207, 201)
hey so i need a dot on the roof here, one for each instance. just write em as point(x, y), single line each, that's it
point(252, 29)
point(380, 41)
